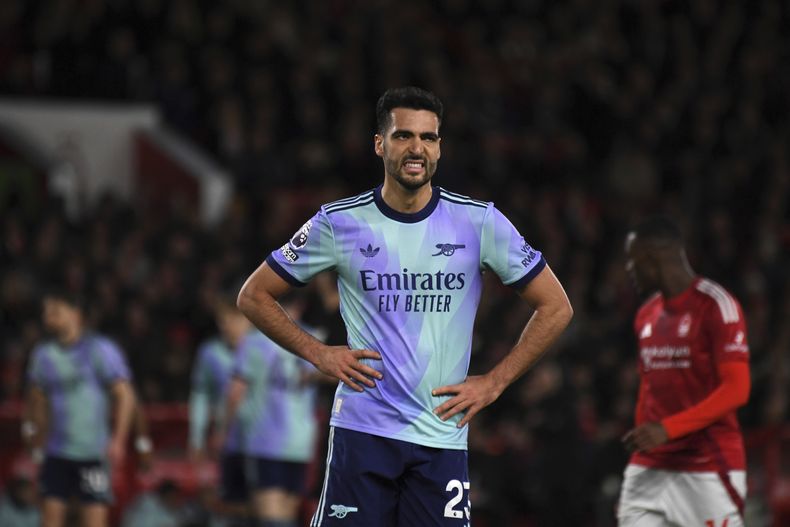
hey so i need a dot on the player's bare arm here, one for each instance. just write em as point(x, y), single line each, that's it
point(553, 312)
point(258, 301)
point(34, 422)
point(123, 410)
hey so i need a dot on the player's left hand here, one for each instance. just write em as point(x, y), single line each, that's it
point(645, 437)
point(471, 396)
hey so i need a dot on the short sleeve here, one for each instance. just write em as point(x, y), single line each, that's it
point(505, 251)
point(726, 328)
point(309, 251)
point(112, 364)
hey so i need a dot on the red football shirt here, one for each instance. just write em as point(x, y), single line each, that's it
point(681, 342)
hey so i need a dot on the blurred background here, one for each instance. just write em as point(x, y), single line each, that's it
point(154, 152)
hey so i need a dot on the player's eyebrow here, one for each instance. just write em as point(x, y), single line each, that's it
point(409, 133)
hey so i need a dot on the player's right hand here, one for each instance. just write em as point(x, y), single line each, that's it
point(344, 364)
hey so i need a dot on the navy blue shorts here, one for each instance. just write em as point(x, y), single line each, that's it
point(265, 473)
point(233, 478)
point(372, 480)
point(88, 480)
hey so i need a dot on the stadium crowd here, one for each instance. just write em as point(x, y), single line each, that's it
point(574, 117)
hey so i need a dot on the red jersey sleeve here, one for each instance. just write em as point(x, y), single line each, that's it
point(730, 394)
point(726, 328)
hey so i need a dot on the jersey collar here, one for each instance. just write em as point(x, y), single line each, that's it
point(679, 301)
point(405, 217)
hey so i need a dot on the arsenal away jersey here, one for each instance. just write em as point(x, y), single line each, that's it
point(409, 288)
point(681, 342)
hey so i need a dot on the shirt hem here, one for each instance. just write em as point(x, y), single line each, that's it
point(400, 437)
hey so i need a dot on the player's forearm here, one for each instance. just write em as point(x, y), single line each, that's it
point(546, 325)
point(198, 418)
point(123, 400)
point(34, 419)
point(263, 310)
point(732, 393)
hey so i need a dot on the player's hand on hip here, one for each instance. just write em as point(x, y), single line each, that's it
point(345, 364)
point(645, 437)
point(471, 396)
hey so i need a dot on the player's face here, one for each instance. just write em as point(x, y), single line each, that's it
point(639, 265)
point(59, 317)
point(410, 147)
point(232, 325)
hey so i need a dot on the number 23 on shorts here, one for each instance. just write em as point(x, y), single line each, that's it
point(457, 488)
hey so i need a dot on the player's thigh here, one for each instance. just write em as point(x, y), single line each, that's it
point(93, 515)
point(641, 501)
point(435, 492)
point(702, 498)
point(275, 504)
point(53, 512)
point(359, 487)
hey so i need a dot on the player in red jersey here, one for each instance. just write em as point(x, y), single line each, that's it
point(688, 466)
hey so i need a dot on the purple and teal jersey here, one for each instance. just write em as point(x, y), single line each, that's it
point(277, 418)
point(77, 381)
point(210, 377)
point(409, 287)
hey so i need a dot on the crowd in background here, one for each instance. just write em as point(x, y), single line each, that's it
point(575, 117)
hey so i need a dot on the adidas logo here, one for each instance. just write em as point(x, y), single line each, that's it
point(369, 252)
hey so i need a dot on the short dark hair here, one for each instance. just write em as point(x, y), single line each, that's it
point(71, 297)
point(659, 229)
point(406, 97)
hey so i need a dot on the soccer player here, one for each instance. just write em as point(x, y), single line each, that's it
point(72, 379)
point(210, 378)
point(271, 406)
point(688, 462)
point(409, 258)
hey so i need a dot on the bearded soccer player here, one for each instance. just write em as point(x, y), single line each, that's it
point(688, 464)
point(72, 379)
point(409, 258)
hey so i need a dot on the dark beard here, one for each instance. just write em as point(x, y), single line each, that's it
point(409, 182)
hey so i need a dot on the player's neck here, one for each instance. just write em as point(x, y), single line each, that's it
point(677, 282)
point(403, 199)
point(70, 337)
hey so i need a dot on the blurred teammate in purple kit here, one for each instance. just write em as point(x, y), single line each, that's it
point(72, 379)
point(409, 258)
point(271, 410)
point(211, 376)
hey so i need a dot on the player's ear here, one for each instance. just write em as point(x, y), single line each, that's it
point(378, 145)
